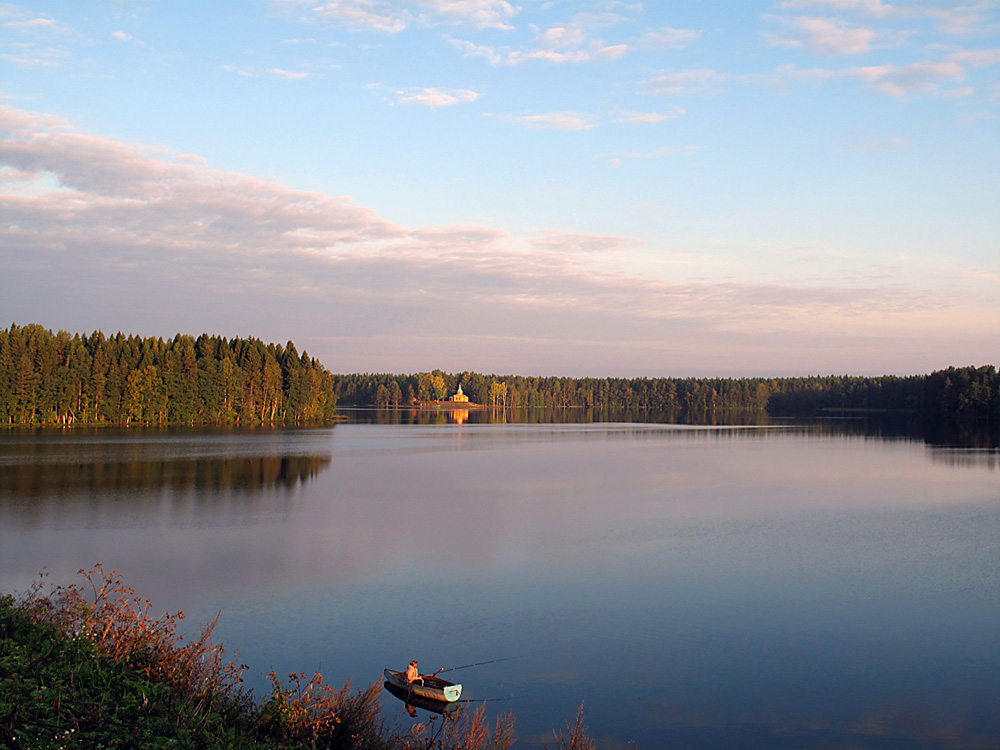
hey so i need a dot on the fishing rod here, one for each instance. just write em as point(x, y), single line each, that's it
point(477, 664)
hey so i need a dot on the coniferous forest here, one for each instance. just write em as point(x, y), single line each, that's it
point(66, 379)
point(78, 379)
point(968, 394)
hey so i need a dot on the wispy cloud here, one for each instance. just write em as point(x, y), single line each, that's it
point(575, 41)
point(978, 58)
point(481, 14)
point(353, 15)
point(435, 98)
point(570, 244)
point(41, 41)
point(150, 239)
point(650, 118)
point(824, 36)
point(288, 75)
point(959, 18)
point(873, 8)
point(900, 81)
point(23, 22)
point(700, 81)
point(385, 17)
point(282, 73)
point(784, 76)
point(594, 51)
point(567, 121)
point(669, 38)
point(923, 78)
point(963, 19)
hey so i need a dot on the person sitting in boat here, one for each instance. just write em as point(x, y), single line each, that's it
point(412, 675)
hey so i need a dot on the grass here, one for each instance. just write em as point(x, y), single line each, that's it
point(90, 666)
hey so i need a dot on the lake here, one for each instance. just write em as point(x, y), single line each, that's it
point(724, 587)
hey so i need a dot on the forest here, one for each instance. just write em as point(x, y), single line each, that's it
point(79, 379)
point(964, 393)
point(65, 379)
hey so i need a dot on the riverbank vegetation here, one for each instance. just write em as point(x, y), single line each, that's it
point(89, 666)
point(79, 379)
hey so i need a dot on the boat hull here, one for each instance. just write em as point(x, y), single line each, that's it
point(433, 688)
point(449, 710)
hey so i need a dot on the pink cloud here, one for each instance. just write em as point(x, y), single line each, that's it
point(122, 237)
point(825, 36)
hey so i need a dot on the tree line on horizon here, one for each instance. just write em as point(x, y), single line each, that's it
point(78, 379)
point(964, 393)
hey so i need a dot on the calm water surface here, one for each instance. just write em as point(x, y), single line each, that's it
point(691, 587)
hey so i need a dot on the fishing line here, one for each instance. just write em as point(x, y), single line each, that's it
point(477, 664)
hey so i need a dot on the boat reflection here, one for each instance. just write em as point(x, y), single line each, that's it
point(413, 702)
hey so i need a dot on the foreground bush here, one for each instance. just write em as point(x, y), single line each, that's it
point(90, 667)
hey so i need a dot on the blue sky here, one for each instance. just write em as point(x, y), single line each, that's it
point(569, 188)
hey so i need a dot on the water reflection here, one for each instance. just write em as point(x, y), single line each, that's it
point(963, 457)
point(884, 426)
point(412, 702)
point(245, 474)
point(775, 586)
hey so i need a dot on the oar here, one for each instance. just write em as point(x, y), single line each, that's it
point(477, 664)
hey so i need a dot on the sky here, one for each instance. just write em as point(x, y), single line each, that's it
point(590, 188)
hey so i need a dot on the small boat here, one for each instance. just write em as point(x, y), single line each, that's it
point(448, 710)
point(427, 687)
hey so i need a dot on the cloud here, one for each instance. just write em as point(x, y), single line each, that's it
point(288, 75)
point(920, 78)
point(572, 42)
point(493, 56)
point(120, 193)
point(481, 14)
point(385, 17)
point(669, 38)
point(873, 8)
point(36, 26)
point(435, 98)
point(783, 75)
point(685, 82)
point(650, 118)
point(566, 121)
point(825, 36)
point(99, 233)
point(595, 51)
point(358, 15)
point(978, 58)
point(963, 19)
point(572, 244)
point(899, 81)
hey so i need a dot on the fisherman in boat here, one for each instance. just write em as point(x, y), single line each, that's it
point(412, 675)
